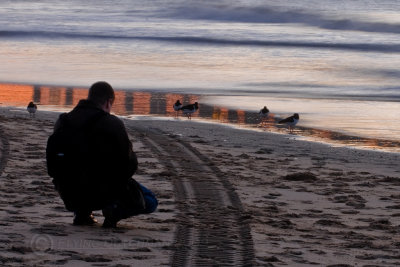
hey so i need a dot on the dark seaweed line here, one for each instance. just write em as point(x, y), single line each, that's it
point(216, 244)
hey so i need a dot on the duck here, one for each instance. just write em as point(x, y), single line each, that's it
point(31, 109)
point(177, 106)
point(188, 110)
point(291, 121)
point(264, 113)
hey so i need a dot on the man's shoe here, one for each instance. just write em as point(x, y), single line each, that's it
point(84, 219)
point(110, 223)
point(110, 216)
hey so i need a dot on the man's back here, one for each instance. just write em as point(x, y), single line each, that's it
point(102, 157)
point(91, 160)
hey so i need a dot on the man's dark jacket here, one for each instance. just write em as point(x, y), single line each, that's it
point(112, 161)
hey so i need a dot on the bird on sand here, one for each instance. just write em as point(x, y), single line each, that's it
point(264, 113)
point(189, 109)
point(177, 106)
point(31, 109)
point(291, 121)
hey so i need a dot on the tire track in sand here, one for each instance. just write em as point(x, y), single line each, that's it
point(212, 227)
point(4, 149)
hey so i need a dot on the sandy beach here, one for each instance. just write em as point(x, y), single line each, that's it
point(228, 197)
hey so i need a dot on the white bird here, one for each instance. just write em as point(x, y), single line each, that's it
point(177, 106)
point(264, 113)
point(31, 109)
point(189, 109)
point(291, 121)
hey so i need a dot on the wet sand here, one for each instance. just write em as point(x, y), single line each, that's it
point(370, 134)
point(228, 197)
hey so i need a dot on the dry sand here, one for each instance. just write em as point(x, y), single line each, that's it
point(228, 197)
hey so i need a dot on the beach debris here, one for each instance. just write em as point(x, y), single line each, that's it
point(381, 224)
point(244, 156)
point(282, 224)
point(396, 207)
point(391, 180)
point(31, 109)
point(21, 249)
point(355, 201)
point(326, 222)
point(264, 151)
point(270, 259)
point(301, 176)
point(291, 121)
point(360, 244)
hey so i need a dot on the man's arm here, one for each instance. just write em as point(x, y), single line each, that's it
point(123, 148)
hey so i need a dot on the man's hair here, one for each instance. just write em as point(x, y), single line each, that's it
point(100, 92)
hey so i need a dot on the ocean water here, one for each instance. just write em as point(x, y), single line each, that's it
point(337, 63)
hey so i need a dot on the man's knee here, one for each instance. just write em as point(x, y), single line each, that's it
point(150, 200)
point(151, 203)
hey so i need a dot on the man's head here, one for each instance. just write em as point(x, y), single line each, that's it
point(102, 94)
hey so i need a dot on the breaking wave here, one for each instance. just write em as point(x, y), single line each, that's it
point(356, 47)
point(259, 14)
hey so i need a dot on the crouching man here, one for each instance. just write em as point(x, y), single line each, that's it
point(90, 158)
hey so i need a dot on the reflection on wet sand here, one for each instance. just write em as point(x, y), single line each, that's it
point(161, 104)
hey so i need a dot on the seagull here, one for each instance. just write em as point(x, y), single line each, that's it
point(189, 109)
point(264, 114)
point(177, 106)
point(31, 109)
point(291, 121)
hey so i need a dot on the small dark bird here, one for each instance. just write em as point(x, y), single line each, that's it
point(291, 121)
point(189, 109)
point(177, 106)
point(31, 109)
point(264, 113)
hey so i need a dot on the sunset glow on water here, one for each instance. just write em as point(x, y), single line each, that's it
point(131, 104)
point(335, 63)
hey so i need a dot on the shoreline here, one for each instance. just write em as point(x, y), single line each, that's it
point(296, 202)
point(327, 137)
point(159, 104)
